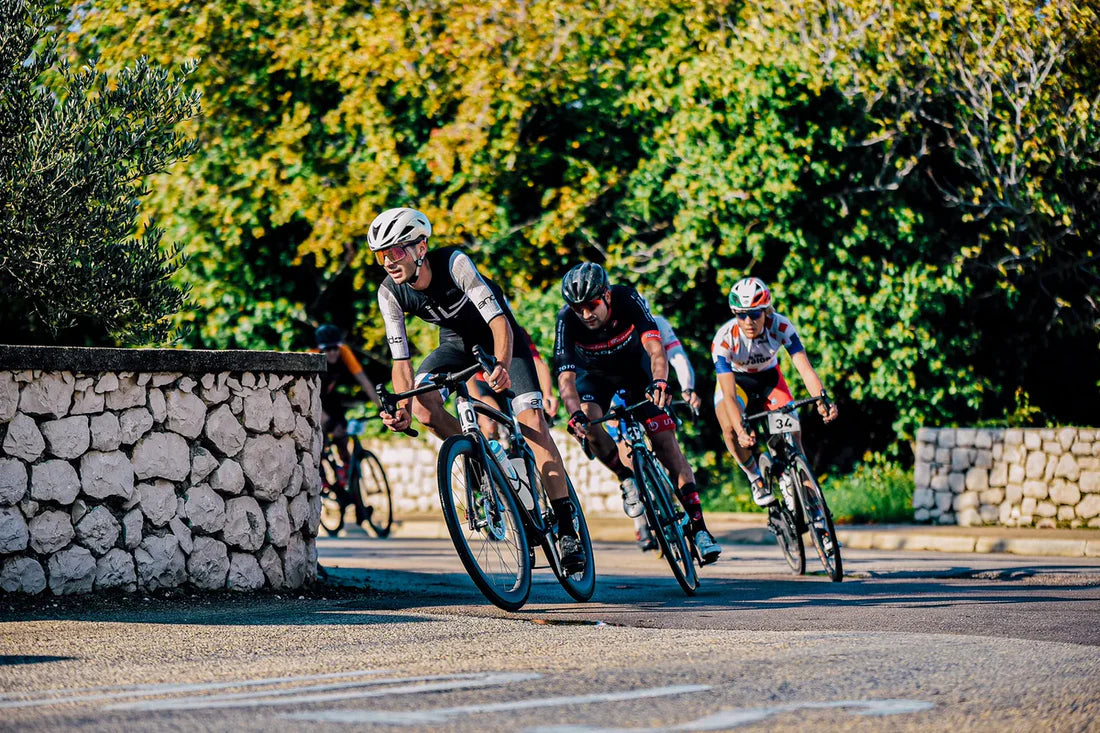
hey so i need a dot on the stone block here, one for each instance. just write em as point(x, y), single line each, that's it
point(992, 496)
point(208, 564)
point(22, 575)
point(162, 455)
point(998, 475)
point(923, 498)
point(49, 394)
point(14, 534)
point(272, 566)
point(966, 500)
point(13, 480)
point(1048, 471)
point(132, 523)
point(1004, 515)
point(922, 475)
point(182, 534)
point(943, 456)
point(224, 431)
point(24, 439)
point(1046, 509)
point(1032, 440)
point(1066, 437)
point(71, 571)
point(1013, 493)
point(268, 463)
point(1081, 449)
point(229, 478)
point(1046, 523)
point(946, 438)
point(68, 437)
point(983, 458)
point(943, 501)
point(1063, 492)
point(1089, 482)
point(106, 432)
point(961, 459)
point(920, 515)
point(245, 525)
point(9, 396)
point(244, 572)
point(969, 517)
point(98, 530)
point(127, 394)
point(986, 437)
point(186, 413)
point(116, 570)
point(106, 474)
point(160, 562)
point(205, 509)
point(134, 423)
point(1014, 454)
point(1036, 489)
point(1035, 465)
point(977, 479)
point(157, 501)
point(50, 531)
point(1087, 508)
point(1016, 474)
point(956, 482)
point(1052, 448)
point(278, 522)
point(964, 437)
point(1067, 467)
point(1014, 436)
point(1066, 514)
point(296, 561)
point(1027, 507)
point(202, 465)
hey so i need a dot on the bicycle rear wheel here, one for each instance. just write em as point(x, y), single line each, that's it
point(787, 537)
point(580, 585)
point(374, 492)
point(484, 524)
point(332, 497)
point(819, 520)
point(665, 520)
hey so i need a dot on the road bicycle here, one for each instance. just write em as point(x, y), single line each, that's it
point(668, 522)
point(495, 523)
point(800, 505)
point(371, 496)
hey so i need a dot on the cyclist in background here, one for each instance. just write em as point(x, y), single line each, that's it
point(442, 286)
point(343, 368)
point(745, 352)
point(685, 377)
point(607, 341)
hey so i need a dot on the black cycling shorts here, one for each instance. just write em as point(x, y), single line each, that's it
point(454, 355)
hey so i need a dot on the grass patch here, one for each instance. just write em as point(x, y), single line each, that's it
point(877, 493)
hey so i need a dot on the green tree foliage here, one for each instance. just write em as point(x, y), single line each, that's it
point(75, 148)
point(919, 191)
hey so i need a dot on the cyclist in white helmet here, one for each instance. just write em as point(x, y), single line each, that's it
point(442, 286)
point(745, 352)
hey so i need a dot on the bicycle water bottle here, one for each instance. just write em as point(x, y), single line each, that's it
point(510, 472)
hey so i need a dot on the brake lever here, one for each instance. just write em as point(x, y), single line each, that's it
point(389, 405)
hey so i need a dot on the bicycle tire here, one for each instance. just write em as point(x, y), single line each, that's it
point(332, 503)
point(788, 537)
point(656, 492)
point(494, 550)
point(374, 492)
point(819, 520)
point(580, 586)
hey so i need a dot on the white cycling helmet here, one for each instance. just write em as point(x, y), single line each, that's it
point(748, 294)
point(395, 227)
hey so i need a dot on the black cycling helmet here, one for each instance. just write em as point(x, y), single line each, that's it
point(329, 335)
point(584, 283)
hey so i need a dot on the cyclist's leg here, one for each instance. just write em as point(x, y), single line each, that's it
point(596, 392)
point(480, 389)
point(430, 408)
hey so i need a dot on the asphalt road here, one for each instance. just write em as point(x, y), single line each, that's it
point(909, 641)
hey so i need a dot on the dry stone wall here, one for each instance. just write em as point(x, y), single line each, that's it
point(1042, 477)
point(195, 470)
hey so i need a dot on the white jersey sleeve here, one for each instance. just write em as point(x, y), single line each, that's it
point(677, 357)
point(469, 279)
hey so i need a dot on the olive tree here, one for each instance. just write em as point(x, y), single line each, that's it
point(76, 149)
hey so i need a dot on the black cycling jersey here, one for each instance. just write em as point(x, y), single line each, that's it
point(613, 349)
point(459, 299)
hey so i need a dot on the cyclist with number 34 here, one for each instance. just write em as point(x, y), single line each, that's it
point(745, 352)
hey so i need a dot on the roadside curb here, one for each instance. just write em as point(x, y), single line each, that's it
point(749, 529)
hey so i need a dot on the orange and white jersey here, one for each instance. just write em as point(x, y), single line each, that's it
point(733, 351)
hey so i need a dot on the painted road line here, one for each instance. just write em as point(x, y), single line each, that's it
point(726, 719)
point(457, 682)
point(440, 715)
point(124, 691)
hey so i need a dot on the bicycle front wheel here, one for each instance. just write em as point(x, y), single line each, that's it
point(819, 520)
point(332, 497)
point(374, 493)
point(665, 520)
point(484, 524)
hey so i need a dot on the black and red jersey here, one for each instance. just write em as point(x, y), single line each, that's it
point(614, 348)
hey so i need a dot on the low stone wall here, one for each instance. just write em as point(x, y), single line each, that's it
point(410, 465)
point(1043, 477)
point(144, 469)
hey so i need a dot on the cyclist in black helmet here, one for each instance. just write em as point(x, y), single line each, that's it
point(343, 368)
point(607, 341)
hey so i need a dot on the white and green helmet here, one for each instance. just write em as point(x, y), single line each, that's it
point(749, 293)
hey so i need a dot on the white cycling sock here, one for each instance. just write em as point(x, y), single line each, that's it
point(751, 469)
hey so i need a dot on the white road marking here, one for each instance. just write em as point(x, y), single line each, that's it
point(725, 719)
point(439, 715)
point(80, 694)
point(454, 682)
